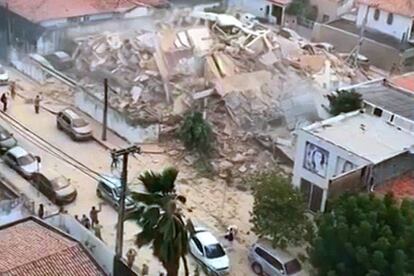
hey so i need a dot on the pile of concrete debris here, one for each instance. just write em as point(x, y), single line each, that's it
point(230, 68)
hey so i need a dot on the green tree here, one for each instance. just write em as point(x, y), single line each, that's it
point(365, 235)
point(279, 210)
point(344, 101)
point(161, 219)
point(298, 7)
point(196, 133)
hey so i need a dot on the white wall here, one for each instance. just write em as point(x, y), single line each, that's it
point(399, 26)
point(99, 251)
point(334, 151)
point(257, 7)
point(116, 121)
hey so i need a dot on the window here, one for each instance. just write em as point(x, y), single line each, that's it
point(376, 14)
point(292, 267)
point(66, 119)
point(377, 112)
point(390, 18)
point(106, 188)
point(268, 258)
point(214, 251)
point(198, 245)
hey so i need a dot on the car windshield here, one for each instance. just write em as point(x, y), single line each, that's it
point(25, 160)
point(59, 183)
point(79, 122)
point(214, 251)
point(118, 192)
point(293, 267)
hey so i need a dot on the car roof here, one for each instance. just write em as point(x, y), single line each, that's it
point(111, 180)
point(18, 151)
point(72, 113)
point(206, 238)
point(279, 254)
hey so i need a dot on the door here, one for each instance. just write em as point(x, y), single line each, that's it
point(316, 199)
point(313, 195)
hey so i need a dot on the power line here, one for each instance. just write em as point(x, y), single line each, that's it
point(27, 133)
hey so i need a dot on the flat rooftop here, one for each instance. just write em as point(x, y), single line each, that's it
point(365, 135)
point(351, 27)
point(388, 97)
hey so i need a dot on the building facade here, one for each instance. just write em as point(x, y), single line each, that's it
point(353, 152)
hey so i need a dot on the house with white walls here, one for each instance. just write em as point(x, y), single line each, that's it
point(354, 152)
point(271, 10)
point(391, 17)
point(388, 33)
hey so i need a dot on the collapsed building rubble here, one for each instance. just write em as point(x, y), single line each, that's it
point(231, 70)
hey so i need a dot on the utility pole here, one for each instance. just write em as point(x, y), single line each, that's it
point(105, 110)
point(121, 208)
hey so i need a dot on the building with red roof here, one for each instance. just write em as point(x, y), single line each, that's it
point(31, 247)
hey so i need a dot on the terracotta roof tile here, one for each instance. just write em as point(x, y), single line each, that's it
point(405, 81)
point(29, 248)
point(43, 10)
point(403, 7)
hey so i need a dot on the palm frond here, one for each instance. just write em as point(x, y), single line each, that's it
point(167, 179)
point(147, 199)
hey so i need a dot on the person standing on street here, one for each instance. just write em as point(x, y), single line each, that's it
point(41, 211)
point(13, 90)
point(97, 229)
point(131, 254)
point(3, 99)
point(85, 222)
point(37, 103)
point(93, 214)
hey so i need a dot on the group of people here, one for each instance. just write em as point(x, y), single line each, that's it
point(4, 98)
point(92, 221)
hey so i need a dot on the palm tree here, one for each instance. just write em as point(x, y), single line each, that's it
point(161, 220)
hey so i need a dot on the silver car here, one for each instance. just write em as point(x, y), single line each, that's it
point(21, 161)
point(7, 141)
point(109, 189)
point(266, 260)
point(73, 124)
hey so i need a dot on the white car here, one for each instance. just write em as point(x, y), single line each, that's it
point(21, 161)
point(4, 76)
point(209, 252)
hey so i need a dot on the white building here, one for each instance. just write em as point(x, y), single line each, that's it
point(394, 18)
point(272, 10)
point(350, 152)
point(328, 10)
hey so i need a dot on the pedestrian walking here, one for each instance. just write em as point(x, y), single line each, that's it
point(131, 254)
point(13, 90)
point(38, 163)
point(97, 229)
point(85, 222)
point(3, 99)
point(77, 218)
point(93, 213)
point(115, 160)
point(41, 211)
point(37, 103)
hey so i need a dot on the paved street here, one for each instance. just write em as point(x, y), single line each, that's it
point(98, 159)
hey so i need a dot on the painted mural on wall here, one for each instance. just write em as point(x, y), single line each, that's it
point(343, 166)
point(316, 159)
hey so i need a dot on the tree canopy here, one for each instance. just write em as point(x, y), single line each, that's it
point(161, 220)
point(196, 133)
point(365, 235)
point(278, 210)
point(344, 101)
